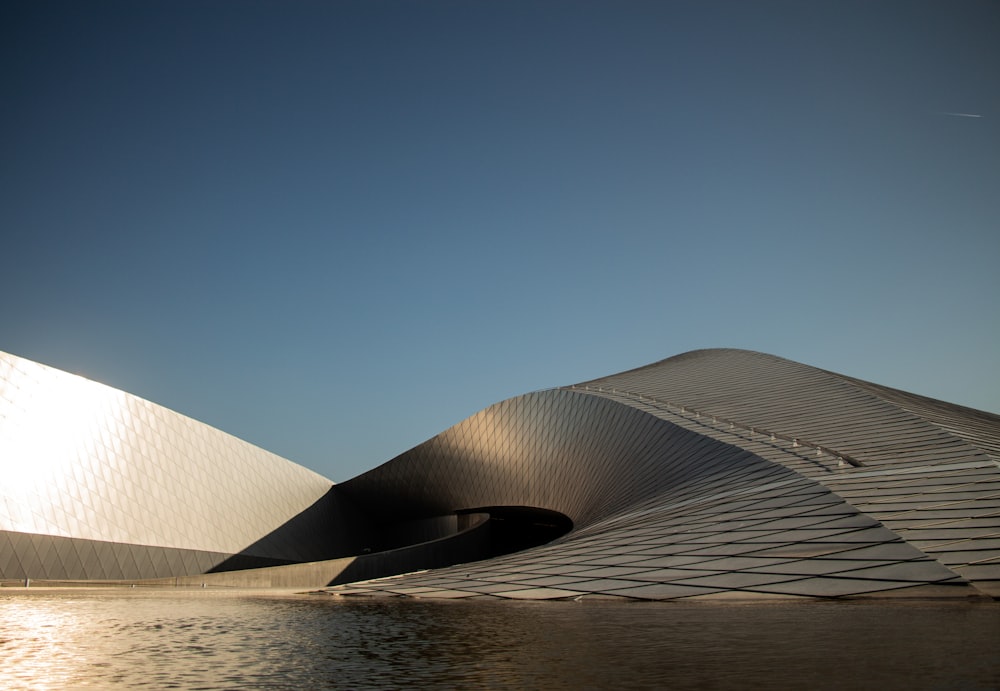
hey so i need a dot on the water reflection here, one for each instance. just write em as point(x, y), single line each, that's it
point(162, 640)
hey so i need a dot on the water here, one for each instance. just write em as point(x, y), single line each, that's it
point(202, 640)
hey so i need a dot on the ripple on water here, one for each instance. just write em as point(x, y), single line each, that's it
point(165, 640)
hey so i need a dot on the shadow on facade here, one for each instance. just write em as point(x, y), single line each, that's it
point(470, 536)
point(333, 527)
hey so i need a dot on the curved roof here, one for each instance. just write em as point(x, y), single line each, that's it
point(715, 473)
point(93, 464)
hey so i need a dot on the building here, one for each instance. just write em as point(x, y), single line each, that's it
point(712, 474)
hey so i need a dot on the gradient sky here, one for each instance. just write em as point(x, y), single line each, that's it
point(335, 229)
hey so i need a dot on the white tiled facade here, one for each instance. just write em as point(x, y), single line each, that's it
point(82, 460)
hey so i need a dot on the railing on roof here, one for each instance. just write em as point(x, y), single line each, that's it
point(686, 410)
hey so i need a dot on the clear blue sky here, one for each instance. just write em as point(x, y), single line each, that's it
point(335, 229)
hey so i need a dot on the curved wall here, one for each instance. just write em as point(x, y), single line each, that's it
point(717, 473)
point(583, 456)
point(98, 483)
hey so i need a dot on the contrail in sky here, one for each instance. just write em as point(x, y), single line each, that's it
point(963, 115)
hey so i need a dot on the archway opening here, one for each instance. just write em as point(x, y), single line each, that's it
point(515, 528)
